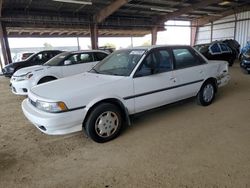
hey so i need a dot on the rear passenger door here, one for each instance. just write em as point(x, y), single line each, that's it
point(189, 71)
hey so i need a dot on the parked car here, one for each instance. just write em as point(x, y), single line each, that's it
point(26, 55)
point(20, 56)
point(108, 49)
point(217, 51)
point(127, 82)
point(245, 61)
point(62, 65)
point(234, 46)
point(35, 59)
point(244, 49)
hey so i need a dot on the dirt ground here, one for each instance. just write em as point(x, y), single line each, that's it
point(183, 145)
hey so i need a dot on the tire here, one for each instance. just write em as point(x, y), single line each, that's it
point(206, 94)
point(230, 62)
point(110, 127)
point(46, 79)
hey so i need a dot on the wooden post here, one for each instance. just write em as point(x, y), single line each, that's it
point(5, 45)
point(193, 33)
point(94, 36)
point(212, 30)
point(154, 35)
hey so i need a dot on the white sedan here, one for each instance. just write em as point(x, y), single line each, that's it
point(62, 65)
point(127, 82)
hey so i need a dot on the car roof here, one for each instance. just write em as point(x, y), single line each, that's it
point(81, 51)
point(154, 47)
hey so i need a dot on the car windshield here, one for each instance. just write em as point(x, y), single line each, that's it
point(120, 63)
point(56, 61)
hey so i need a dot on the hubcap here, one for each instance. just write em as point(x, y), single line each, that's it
point(106, 124)
point(208, 93)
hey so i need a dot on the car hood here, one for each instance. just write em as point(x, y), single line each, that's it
point(15, 64)
point(79, 84)
point(25, 70)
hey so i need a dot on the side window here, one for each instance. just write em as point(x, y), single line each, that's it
point(146, 68)
point(164, 61)
point(37, 59)
point(73, 59)
point(157, 61)
point(184, 58)
point(99, 56)
point(85, 58)
point(215, 49)
point(224, 48)
point(80, 58)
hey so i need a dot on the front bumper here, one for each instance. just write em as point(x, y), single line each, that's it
point(20, 87)
point(223, 80)
point(54, 123)
point(245, 65)
point(6, 72)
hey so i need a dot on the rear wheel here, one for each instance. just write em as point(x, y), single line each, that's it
point(104, 123)
point(206, 94)
point(231, 62)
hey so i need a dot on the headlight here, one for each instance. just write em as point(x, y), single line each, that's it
point(51, 106)
point(23, 77)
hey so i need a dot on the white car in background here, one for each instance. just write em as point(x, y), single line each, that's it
point(62, 65)
point(127, 82)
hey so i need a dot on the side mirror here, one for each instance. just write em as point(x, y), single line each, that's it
point(67, 62)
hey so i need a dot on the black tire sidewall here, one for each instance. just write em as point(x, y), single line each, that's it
point(95, 113)
point(200, 98)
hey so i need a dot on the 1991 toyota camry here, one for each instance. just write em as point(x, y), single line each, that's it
point(127, 82)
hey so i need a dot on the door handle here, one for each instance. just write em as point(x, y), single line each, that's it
point(201, 71)
point(173, 79)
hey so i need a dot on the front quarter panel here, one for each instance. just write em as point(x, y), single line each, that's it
point(217, 70)
point(115, 90)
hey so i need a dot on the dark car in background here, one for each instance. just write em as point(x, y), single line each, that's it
point(233, 45)
point(245, 61)
point(217, 51)
point(244, 49)
point(35, 59)
point(26, 55)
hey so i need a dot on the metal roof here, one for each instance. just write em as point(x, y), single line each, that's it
point(114, 17)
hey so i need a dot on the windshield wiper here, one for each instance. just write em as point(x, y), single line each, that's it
point(95, 70)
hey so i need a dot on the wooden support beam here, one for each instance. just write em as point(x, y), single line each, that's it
point(154, 35)
point(78, 9)
point(208, 19)
point(108, 10)
point(94, 36)
point(5, 44)
point(193, 33)
point(212, 32)
point(28, 5)
point(186, 10)
point(1, 5)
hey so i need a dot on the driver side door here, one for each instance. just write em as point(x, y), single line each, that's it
point(154, 81)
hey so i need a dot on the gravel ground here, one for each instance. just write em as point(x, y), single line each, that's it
point(182, 145)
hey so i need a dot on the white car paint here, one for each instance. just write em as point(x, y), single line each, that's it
point(136, 94)
point(42, 71)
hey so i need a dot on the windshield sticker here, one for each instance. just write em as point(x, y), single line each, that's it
point(137, 52)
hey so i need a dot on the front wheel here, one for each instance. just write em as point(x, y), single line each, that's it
point(206, 94)
point(104, 123)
